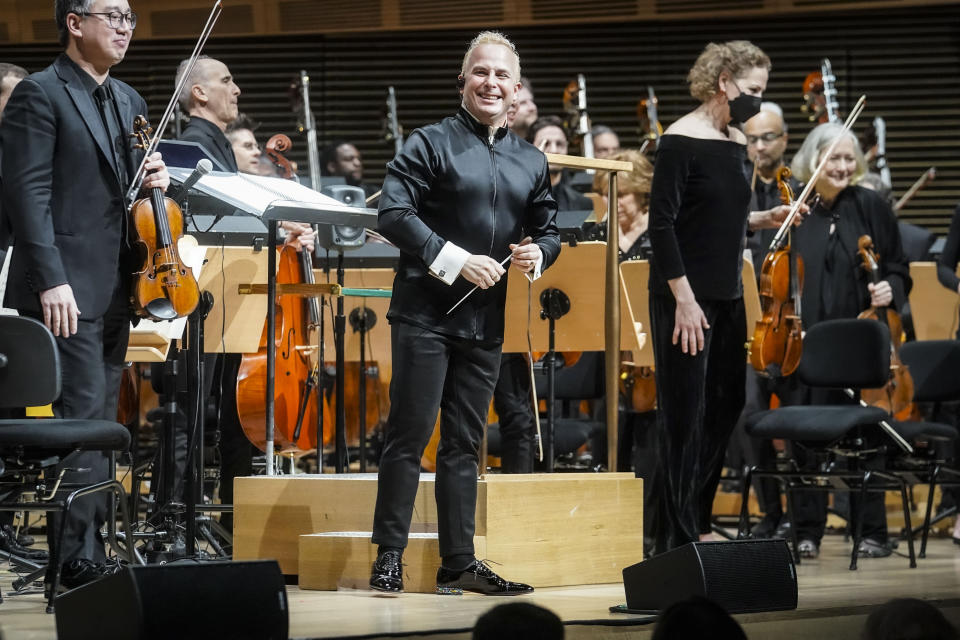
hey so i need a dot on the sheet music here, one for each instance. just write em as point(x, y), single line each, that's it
point(253, 194)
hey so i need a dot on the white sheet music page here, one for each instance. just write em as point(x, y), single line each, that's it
point(251, 193)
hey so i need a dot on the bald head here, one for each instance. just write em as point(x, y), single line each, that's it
point(766, 141)
point(10, 76)
point(209, 91)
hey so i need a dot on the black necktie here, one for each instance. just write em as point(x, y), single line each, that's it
point(110, 124)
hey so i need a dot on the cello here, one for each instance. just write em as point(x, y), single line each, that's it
point(296, 406)
point(778, 335)
point(896, 397)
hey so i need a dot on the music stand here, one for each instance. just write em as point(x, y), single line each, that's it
point(576, 275)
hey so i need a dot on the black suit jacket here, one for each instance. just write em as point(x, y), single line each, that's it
point(62, 192)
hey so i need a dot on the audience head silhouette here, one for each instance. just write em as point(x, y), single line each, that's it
point(518, 621)
point(908, 619)
point(697, 617)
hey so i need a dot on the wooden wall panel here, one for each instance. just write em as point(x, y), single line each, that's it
point(905, 60)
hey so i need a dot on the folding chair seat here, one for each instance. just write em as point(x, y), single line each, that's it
point(32, 449)
point(839, 354)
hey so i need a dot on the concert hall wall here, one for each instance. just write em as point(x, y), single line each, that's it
point(905, 60)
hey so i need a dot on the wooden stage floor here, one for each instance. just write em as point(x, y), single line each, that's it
point(834, 602)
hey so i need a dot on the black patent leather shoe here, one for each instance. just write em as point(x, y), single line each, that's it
point(479, 578)
point(387, 572)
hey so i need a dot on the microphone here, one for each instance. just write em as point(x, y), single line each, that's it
point(204, 166)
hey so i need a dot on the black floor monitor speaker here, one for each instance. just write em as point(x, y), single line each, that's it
point(180, 600)
point(742, 576)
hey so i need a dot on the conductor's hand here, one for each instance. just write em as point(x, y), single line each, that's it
point(156, 173)
point(299, 235)
point(881, 294)
point(688, 325)
point(60, 312)
point(525, 255)
point(482, 271)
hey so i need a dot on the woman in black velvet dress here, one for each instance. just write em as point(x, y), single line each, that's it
point(699, 205)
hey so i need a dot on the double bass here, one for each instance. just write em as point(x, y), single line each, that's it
point(896, 397)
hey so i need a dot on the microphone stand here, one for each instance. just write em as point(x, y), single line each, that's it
point(362, 320)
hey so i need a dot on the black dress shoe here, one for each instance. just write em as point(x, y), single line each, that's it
point(387, 572)
point(479, 578)
point(10, 544)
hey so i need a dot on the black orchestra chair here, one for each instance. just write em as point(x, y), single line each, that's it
point(31, 449)
point(583, 380)
point(935, 369)
point(839, 354)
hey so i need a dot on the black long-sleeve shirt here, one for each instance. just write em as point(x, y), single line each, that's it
point(835, 285)
point(699, 203)
point(947, 264)
point(453, 183)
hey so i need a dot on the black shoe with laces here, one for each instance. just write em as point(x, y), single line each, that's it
point(10, 544)
point(387, 572)
point(81, 571)
point(479, 578)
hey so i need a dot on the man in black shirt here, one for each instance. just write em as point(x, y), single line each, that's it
point(210, 97)
point(457, 200)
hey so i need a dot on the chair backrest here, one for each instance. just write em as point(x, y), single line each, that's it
point(935, 369)
point(846, 354)
point(29, 363)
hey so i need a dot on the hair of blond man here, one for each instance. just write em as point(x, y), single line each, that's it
point(736, 57)
point(492, 37)
point(636, 182)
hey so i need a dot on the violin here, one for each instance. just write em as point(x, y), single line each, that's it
point(577, 122)
point(638, 385)
point(650, 128)
point(896, 397)
point(777, 342)
point(164, 288)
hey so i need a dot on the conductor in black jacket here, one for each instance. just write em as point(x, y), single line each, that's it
point(457, 200)
point(64, 195)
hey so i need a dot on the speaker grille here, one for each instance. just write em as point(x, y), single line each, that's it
point(745, 576)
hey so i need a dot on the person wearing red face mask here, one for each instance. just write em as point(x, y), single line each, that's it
point(457, 200)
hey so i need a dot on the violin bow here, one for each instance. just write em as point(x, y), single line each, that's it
point(794, 211)
point(171, 106)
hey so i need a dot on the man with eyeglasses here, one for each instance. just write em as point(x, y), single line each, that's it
point(64, 195)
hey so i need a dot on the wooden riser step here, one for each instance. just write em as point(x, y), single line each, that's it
point(542, 529)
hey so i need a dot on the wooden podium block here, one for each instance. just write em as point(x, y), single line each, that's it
point(543, 529)
point(271, 513)
point(342, 560)
point(562, 529)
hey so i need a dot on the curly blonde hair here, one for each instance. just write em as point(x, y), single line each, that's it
point(636, 182)
point(737, 57)
point(492, 37)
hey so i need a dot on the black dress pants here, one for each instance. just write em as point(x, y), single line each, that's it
point(699, 400)
point(432, 371)
point(512, 401)
point(91, 363)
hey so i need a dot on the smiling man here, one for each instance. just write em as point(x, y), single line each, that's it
point(457, 201)
point(63, 193)
point(210, 98)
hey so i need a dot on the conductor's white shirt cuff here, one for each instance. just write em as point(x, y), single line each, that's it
point(448, 263)
point(537, 269)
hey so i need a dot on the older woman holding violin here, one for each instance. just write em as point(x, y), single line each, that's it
point(699, 205)
point(837, 286)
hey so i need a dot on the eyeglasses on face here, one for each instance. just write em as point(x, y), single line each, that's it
point(115, 18)
point(767, 138)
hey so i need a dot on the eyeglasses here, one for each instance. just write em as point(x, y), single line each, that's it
point(115, 19)
point(768, 137)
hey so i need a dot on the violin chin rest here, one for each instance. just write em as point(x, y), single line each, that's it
point(161, 308)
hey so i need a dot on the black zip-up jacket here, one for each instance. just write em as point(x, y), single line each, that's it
point(450, 183)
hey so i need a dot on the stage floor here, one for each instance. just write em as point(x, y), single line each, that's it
point(833, 603)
